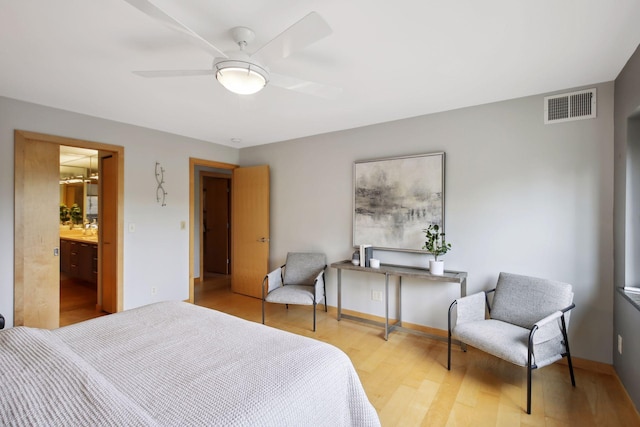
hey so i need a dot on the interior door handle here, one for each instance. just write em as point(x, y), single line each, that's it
point(263, 239)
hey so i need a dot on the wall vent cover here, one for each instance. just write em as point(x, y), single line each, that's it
point(567, 107)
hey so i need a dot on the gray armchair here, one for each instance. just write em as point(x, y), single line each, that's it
point(527, 323)
point(299, 281)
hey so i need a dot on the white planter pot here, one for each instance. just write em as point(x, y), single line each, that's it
point(436, 267)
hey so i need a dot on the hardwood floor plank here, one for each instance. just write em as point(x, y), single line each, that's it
point(397, 404)
point(442, 407)
point(419, 404)
point(77, 301)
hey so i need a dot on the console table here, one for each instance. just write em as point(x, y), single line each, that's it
point(399, 271)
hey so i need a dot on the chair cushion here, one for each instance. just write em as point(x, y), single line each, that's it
point(523, 300)
point(303, 268)
point(508, 342)
point(292, 294)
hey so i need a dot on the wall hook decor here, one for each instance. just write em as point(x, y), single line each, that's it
point(161, 194)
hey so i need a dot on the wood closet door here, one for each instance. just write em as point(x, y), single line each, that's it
point(249, 229)
point(37, 235)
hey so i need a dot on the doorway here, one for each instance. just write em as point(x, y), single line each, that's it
point(79, 237)
point(249, 226)
point(37, 227)
point(215, 226)
point(206, 179)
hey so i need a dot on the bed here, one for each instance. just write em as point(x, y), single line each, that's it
point(174, 363)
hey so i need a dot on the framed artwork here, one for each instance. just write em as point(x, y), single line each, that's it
point(394, 199)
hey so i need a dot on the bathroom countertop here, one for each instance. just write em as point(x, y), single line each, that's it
point(77, 236)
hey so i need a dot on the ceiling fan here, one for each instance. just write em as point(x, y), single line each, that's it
point(239, 71)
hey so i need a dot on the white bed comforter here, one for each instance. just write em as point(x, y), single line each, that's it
point(173, 364)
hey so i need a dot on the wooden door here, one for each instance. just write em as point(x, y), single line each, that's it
point(249, 229)
point(215, 217)
point(37, 235)
point(108, 247)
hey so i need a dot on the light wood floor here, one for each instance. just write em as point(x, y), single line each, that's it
point(77, 301)
point(407, 381)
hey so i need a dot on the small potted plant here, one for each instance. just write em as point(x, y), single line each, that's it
point(64, 214)
point(76, 214)
point(437, 245)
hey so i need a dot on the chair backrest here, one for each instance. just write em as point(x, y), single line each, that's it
point(303, 267)
point(523, 300)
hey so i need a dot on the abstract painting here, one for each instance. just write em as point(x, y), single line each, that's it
point(394, 199)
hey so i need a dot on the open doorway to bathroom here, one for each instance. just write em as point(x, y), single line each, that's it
point(37, 224)
point(79, 237)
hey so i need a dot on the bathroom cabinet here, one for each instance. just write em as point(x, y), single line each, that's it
point(79, 259)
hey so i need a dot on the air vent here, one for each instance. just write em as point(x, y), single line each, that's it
point(570, 106)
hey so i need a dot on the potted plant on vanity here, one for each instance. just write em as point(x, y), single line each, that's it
point(436, 245)
point(64, 214)
point(76, 215)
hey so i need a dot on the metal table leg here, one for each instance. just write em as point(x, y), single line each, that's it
point(339, 293)
point(399, 301)
point(463, 293)
point(463, 288)
point(386, 307)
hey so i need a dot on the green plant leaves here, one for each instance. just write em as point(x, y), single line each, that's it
point(436, 243)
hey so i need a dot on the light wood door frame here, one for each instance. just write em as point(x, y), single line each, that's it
point(108, 232)
point(193, 163)
point(115, 150)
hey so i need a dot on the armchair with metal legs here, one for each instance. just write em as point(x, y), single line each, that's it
point(526, 324)
point(299, 281)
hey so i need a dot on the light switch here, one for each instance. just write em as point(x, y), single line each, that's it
point(183, 225)
point(132, 227)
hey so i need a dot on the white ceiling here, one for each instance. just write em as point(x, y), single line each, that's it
point(393, 59)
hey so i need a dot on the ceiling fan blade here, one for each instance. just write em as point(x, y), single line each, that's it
point(158, 14)
point(173, 73)
point(306, 31)
point(304, 86)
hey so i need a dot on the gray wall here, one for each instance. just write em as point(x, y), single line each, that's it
point(521, 197)
point(157, 253)
point(627, 222)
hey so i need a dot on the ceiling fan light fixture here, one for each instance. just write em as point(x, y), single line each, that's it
point(243, 78)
